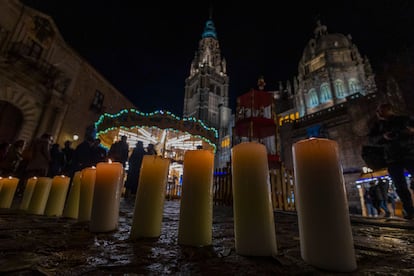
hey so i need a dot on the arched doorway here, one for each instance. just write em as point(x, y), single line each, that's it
point(11, 119)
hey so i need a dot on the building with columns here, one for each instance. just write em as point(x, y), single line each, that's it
point(330, 70)
point(45, 85)
point(206, 91)
point(335, 96)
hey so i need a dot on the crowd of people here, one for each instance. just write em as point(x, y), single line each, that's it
point(380, 199)
point(395, 133)
point(119, 153)
point(43, 157)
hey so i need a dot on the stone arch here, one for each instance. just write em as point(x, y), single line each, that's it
point(26, 104)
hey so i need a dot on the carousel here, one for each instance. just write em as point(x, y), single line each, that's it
point(171, 135)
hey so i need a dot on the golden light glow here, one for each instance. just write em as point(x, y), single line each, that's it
point(225, 143)
point(288, 117)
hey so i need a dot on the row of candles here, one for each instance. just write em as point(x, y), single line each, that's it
point(47, 196)
point(324, 226)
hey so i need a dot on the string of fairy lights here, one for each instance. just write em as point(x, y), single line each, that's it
point(169, 142)
point(150, 133)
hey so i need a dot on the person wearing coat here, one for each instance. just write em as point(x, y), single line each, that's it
point(396, 134)
point(134, 163)
point(39, 163)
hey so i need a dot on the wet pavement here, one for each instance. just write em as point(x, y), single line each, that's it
point(40, 245)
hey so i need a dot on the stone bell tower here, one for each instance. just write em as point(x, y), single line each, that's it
point(206, 88)
point(207, 91)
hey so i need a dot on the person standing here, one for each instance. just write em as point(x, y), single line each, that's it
point(119, 151)
point(151, 149)
point(134, 162)
point(392, 198)
point(371, 210)
point(4, 148)
point(396, 134)
point(68, 153)
point(39, 164)
point(98, 151)
point(12, 159)
point(83, 156)
point(383, 186)
point(57, 160)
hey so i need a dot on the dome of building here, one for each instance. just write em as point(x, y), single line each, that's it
point(324, 41)
point(329, 41)
point(331, 69)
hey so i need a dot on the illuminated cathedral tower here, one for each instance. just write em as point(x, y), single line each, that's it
point(207, 92)
point(206, 89)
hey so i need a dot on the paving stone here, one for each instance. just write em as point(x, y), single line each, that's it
point(40, 245)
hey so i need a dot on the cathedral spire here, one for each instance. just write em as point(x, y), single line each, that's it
point(209, 30)
point(208, 80)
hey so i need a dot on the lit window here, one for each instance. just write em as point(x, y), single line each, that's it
point(353, 86)
point(97, 101)
point(225, 143)
point(325, 92)
point(313, 98)
point(339, 89)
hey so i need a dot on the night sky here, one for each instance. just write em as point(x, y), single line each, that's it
point(145, 48)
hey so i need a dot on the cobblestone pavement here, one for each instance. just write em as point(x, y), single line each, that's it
point(40, 245)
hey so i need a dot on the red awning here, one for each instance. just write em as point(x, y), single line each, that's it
point(256, 127)
point(255, 99)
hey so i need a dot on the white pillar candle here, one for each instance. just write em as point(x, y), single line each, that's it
point(196, 209)
point(72, 203)
point(57, 196)
point(121, 188)
point(7, 191)
point(149, 201)
point(106, 197)
point(40, 195)
point(254, 226)
point(86, 193)
point(324, 225)
point(28, 192)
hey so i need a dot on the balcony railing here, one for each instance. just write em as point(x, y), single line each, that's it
point(20, 52)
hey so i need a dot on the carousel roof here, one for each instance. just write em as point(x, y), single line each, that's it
point(128, 119)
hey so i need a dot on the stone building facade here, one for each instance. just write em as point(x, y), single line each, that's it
point(45, 85)
point(335, 96)
point(331, 68)
point(346, 123)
